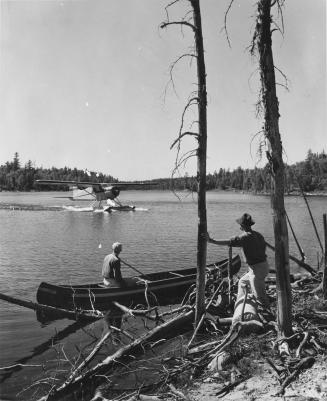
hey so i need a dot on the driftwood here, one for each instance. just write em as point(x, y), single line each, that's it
point(88, 359)
point(54, 312)
point(230, 386)
point(141, 397)
point(304, 363)
point(139, 312)
point(245, 320)
point(208, 305)
point(95, 350)
point(230, 338)
point(156, 333)
point(178, 393)
point(135, 312)
point(305, 339)
point(134, 397)
point(201, 348)
point(218, 355)
point(176, 310)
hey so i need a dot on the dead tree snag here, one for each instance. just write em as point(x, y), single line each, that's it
point(201, 152)
point(262, 44)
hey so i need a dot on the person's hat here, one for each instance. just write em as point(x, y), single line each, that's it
point(245, 220)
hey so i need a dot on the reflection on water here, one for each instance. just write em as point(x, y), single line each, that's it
point(48, 243)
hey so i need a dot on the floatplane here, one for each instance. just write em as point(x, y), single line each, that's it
point(97, 193)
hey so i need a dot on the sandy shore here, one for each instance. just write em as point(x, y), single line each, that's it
point(311, 385)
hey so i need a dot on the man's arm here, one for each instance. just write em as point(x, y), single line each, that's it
point(218, 241)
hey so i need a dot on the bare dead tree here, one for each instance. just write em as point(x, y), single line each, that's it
point(262, 45)
point(324, 280)
point(200, 99)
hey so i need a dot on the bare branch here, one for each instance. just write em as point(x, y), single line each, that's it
point(284, 76)
point(225, 22)
point(262, 143)
point(283, 85)
point(181, 136)
point(170, 5)
point(277, 28)
point(189, 104)
point(171, 68)
point(186, 15)
point(165, 24)
point(183, 159)
point(186, 156)
point(280, 4)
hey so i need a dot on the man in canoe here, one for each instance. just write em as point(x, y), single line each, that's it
point(254, 251)
point(111, 265)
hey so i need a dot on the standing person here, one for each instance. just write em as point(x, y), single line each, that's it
point(111, 265)
point(254, 250)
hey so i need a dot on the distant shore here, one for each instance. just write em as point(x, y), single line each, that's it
point(218, 190)
point(262, 193)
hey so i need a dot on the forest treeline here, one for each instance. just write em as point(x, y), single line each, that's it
point(310, 174)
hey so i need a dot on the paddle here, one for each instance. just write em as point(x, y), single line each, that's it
point(132, 267)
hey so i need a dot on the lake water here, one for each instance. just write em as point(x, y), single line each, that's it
point(40, 241)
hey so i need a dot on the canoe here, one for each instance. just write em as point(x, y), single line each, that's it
point(163, 288)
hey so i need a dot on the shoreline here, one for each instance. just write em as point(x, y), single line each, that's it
point(293, 193)
point(223, 191)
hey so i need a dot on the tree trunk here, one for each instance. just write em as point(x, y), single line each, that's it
point(271, 128)
point(324, 280)
point(202, 159)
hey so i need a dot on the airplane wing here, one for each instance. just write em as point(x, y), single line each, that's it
point(97, 186)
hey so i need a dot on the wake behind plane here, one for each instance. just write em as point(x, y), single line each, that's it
point(98, 193)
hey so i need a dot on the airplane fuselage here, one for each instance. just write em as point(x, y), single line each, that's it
point(108, 193)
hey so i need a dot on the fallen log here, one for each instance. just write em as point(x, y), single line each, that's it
point(97, 372)
point(88, 358)
point(55, 312)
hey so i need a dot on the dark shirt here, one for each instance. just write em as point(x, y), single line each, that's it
point(253, 244)
point(111, 267)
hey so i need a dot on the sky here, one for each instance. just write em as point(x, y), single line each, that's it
point(86, 84)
